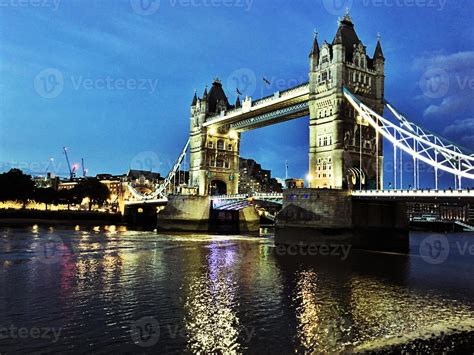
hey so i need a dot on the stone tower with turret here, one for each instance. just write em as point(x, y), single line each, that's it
point(338, 137)
point(214, 152)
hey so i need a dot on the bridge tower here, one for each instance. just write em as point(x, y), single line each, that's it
point(214, 153)
point(344, 152)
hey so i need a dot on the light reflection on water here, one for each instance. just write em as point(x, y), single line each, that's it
point(228, 294)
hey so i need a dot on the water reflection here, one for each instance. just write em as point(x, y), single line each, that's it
point(211, 321)
point(215, 294)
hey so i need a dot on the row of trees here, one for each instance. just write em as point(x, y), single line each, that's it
point(19, 187)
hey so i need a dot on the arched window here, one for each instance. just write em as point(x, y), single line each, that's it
point(220, 144)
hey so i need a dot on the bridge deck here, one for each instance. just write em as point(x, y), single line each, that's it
point(279, 107)
point(417, 195)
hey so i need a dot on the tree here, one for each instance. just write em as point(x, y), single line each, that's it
point(94, 190)
point(46, 196)
point(68, 197)
point(16, 186)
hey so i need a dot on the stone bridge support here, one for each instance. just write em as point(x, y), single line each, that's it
point(330, 216)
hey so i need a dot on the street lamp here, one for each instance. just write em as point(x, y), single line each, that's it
point(309, 178)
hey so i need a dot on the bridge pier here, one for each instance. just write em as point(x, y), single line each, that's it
point(328, 217)
point(196, 214)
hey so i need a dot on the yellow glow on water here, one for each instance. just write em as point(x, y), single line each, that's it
point(211, 320)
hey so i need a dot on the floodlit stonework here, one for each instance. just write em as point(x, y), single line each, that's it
point(335, 130)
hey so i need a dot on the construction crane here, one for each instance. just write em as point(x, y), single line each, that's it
point(84, 170)
point(72, 170)
point(48, 166)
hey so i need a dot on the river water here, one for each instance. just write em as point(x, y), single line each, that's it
point(110, 289)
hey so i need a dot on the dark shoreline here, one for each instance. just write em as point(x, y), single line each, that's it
point(28, 217)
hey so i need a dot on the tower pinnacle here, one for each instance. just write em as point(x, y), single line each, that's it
point(378, 54)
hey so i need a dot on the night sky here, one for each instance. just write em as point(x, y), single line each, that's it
point(113, 80)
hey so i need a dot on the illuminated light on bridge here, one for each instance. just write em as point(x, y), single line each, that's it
point(347, 133)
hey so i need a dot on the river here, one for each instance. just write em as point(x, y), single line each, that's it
point(109, 289)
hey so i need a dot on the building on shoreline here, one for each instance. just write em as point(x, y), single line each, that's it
point(255, 179)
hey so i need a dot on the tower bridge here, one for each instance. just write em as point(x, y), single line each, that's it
point(345, 101)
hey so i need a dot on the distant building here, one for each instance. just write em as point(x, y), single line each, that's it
point(50, 181)
point(294, 183)
point(255, 179)
point(144, 176)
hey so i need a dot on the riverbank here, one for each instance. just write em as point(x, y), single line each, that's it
point(27, 217)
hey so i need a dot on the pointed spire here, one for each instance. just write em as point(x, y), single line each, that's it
point(378, 49)
point(315, 48)
point(338, 37)
point(204, 96)
point(347, 16)
point(237, 103)
point(195, 99)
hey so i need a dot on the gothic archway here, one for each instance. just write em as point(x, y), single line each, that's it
point(218, 187)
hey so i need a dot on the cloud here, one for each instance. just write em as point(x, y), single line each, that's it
point(454, 62)
point(449, 105)
point(446, 82)
point(461, 131)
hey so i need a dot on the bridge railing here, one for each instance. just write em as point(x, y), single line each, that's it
point(262, 102)
point(270, 195)
point(413, 193)
point(256, 195)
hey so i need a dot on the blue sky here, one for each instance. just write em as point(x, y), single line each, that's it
point(113, 80)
